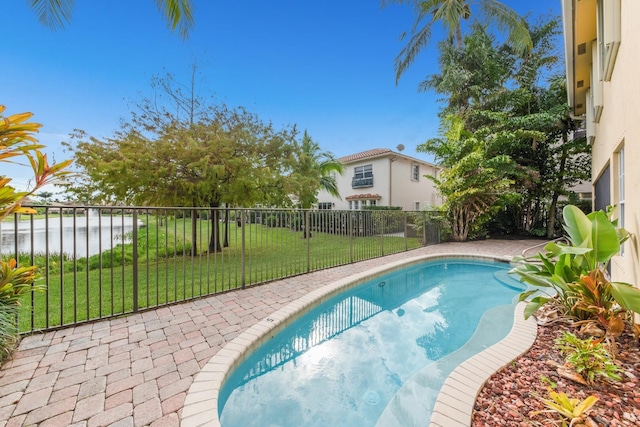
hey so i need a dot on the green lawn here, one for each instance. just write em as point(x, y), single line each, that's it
point(103, 285)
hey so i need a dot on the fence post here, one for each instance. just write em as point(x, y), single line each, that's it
point(135, 260)
point(383, 218)
point(307, 234)
point(404, 232)
point(350, 230)
point(424, 229)
point(243, 226)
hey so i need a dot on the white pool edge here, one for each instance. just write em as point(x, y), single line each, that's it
point(454, 405)
point(457, 397)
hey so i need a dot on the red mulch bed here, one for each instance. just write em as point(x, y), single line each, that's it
point(511, 395)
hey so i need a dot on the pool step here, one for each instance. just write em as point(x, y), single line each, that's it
point(509, 279)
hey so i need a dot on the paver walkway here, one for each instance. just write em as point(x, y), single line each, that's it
point(136, 370)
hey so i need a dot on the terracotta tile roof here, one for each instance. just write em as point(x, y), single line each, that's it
point(364, 197)
point(365, 154)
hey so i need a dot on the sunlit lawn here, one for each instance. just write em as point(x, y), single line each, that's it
point(103, 285)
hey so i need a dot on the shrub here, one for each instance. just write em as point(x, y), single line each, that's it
point(588, 357)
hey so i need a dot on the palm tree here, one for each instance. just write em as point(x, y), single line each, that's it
point(56, 14)
point(451, 13)
point(314, 170)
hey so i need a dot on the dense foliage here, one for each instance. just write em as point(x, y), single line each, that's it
point(514, 108)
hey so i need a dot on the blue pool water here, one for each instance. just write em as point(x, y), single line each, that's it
point(345, 362)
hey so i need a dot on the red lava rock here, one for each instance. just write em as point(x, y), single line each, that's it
point(511, 395)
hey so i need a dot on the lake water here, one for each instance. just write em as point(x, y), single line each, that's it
point(80, 236)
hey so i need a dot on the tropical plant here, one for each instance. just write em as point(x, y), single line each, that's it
point(17, 141)
point(576, 274)
point(313, 170)
point(588, 357)
point(452, 13)
point(57, 13)
point(572, 409)
point(473, 181)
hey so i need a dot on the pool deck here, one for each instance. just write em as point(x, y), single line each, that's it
point(137, 370)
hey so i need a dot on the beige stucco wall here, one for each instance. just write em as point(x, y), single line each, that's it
point(620, 125)
point(391, 180)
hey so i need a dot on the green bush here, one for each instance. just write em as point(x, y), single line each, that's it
point(588, 357)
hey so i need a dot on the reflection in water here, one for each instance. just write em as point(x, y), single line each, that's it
point(326, 367)
point(82, 236)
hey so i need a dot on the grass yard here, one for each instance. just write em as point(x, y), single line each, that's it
point(104, 285)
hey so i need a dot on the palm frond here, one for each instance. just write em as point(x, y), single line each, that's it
point(54, 14)
point(409, 53)
point(509, 21)
point(179, 15)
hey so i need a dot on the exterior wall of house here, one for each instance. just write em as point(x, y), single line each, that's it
point(392, 182)
point(615, 135)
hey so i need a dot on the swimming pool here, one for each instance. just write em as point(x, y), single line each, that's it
point(359, 357)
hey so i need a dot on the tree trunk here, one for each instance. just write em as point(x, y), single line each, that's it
point(551, 224)
point(214, 242)
point(194, 232)
point(225, 243)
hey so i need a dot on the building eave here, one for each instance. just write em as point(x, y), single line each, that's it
point(580, 31)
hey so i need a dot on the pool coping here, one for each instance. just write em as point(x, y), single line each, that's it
point(454, 405)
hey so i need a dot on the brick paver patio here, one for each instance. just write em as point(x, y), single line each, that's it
point(136, 370)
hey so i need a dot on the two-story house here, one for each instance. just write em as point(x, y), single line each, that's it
point(603, 83)
point(382, 177)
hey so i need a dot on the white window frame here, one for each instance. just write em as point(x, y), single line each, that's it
point(621, 198)
point(364, 171)
point(416, 206)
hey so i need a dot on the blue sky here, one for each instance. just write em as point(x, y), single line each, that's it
point(325, 66)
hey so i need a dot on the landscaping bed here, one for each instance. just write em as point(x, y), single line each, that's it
point(513, 395)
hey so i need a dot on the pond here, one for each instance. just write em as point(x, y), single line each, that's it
point(72, 235)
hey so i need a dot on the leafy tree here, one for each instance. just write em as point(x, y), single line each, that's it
point(57, 13)
point(473, 180)
point(451, 14)
point(231, 158)
point(45, 196)
point(491, 87)
point(186, 152)
point(312, 171)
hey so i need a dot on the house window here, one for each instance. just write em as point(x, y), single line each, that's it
point(621, 201)
point(365, 171)
point(362, 176)
point(416, 206)
point(372, 202)
point(415, 172)
point(325, 206)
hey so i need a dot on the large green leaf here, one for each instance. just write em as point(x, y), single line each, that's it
point(604, 238)
point(534, 305)
point(626, 295)
point(577, 225)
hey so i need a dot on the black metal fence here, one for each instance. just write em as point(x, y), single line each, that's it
point(98, 262)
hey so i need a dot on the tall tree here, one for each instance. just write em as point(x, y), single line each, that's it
point(491, 87)
point(179, 149)
point(314, 170)
point(473, 180)
point(451, 14)
point(57, 13)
